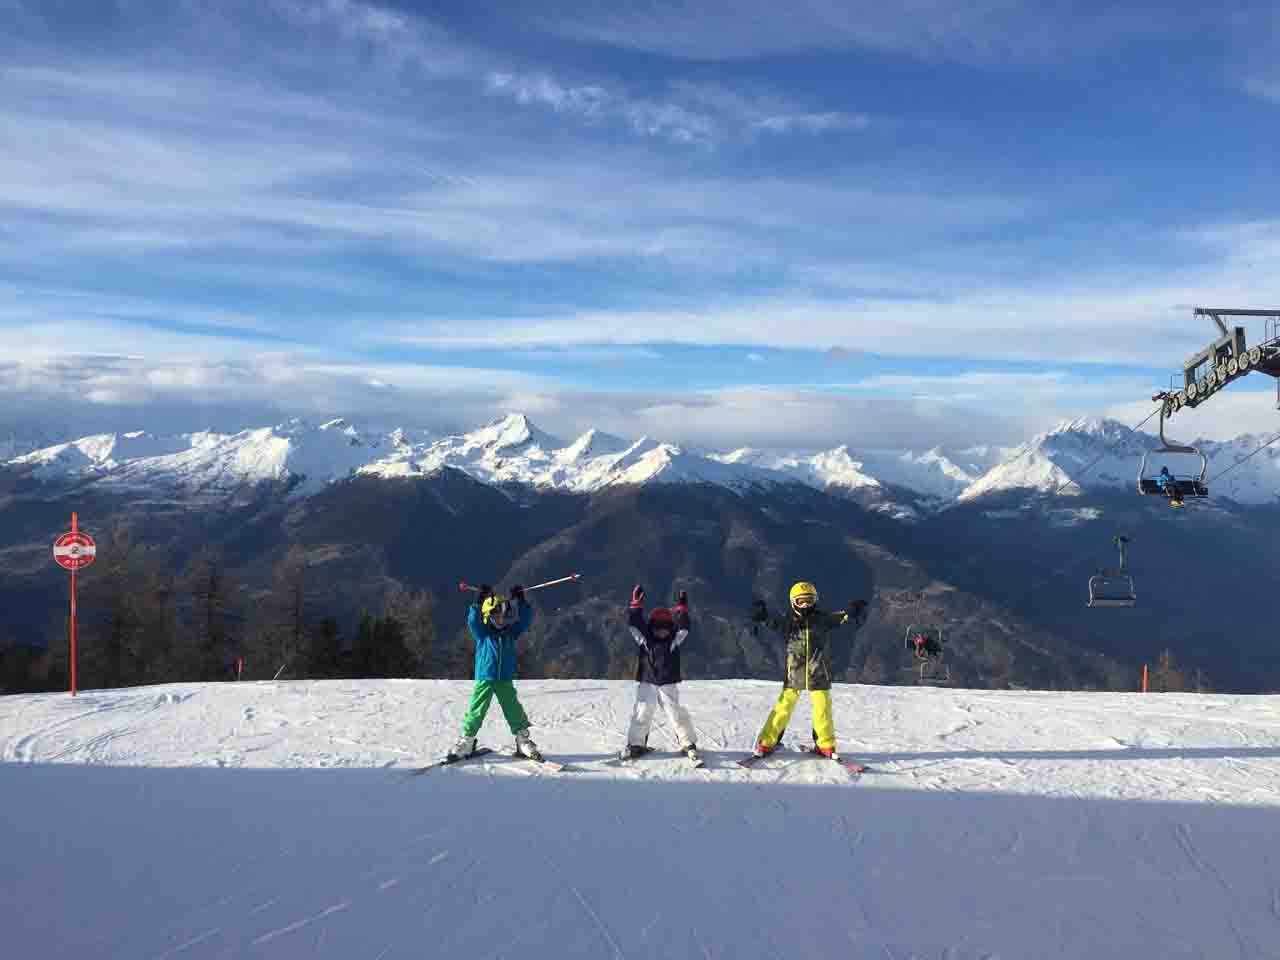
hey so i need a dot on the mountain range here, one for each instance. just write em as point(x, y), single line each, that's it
point(995, 546)
point(1076, 455)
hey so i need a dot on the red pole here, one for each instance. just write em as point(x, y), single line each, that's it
point(74, 529)
point(1144, 678)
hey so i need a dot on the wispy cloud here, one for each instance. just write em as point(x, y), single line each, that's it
point(812, 122)
point(594, 102)
point(398, 37)
point(1003, 31)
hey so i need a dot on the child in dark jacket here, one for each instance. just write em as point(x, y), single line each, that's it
point(658, 673)
point(806, 631)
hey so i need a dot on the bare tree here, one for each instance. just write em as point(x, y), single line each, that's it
point(415, 611)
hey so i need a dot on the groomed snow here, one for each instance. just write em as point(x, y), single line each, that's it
point(279, 820)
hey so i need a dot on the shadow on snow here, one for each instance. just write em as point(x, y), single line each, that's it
point(198, 862)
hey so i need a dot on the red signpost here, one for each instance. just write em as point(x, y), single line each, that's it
point(74, 551)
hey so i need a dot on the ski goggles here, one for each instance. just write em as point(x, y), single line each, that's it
point(804, 601)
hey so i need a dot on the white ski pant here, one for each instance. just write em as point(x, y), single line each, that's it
point(642, 717)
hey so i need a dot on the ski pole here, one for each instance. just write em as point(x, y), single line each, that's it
point(463, 586)
point(552, 583)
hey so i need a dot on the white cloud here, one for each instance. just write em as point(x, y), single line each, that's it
point(997, 32)
point(595, 102)
point(399, 37)
point(812, 122)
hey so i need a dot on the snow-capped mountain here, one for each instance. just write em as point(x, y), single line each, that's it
point(1090, 453)
point(1095, 454)
point(513, 450)
point(211, 461)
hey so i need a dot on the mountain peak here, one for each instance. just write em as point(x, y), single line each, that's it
point(1090, 426)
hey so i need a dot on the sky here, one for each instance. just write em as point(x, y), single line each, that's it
point(787, 225)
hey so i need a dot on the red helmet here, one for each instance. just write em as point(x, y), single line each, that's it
point(661, 617)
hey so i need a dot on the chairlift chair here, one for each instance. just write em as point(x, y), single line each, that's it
point(1113, 588)
point(927, 646)
point(1181, 486)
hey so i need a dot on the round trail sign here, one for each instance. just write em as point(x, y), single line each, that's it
point(75, 550)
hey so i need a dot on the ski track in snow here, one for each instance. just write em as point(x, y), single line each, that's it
point(192, 821)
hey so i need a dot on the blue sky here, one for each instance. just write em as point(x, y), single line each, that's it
point(782, 224)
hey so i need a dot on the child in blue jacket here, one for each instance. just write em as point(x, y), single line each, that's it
point(495, 633)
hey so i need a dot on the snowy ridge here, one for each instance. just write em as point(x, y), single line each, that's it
point(280, 820)
point(1096, 454)
point(207, 460)
point(1090, 453)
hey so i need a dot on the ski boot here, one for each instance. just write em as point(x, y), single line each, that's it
point(525, 747)
point(465, 747)
point(763, 749)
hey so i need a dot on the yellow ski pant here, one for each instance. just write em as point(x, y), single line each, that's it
point(824, 724)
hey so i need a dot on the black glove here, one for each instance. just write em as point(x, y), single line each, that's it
point(517, 593)
point(637, 595)
point(682, 599)
point(484, 593)
point(759, 612)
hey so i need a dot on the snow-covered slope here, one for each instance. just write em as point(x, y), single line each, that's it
point(1106, 454)
point(511, 449)
point(207, 460)
point(280, 820)
point(829, 469)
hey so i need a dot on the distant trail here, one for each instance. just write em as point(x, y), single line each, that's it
point(267, 937)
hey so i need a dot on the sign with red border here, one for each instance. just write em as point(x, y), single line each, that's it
point(75, 550)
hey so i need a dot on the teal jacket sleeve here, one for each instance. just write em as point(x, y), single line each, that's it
point(524, 619)
point(474, 623)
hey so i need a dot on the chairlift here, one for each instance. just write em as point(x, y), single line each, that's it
point(1176, 487)
point(927, 646)
point(1113, 588)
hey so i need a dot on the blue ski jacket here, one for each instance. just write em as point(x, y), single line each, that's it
point(496, 647)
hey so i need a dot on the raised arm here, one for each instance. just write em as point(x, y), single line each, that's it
point(854, 614)
point(474, 622)
point(682, 619)
point(760, 614)
point(635, 615)
point(525, 615)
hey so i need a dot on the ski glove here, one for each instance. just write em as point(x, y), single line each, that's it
point(759, 612)
point(682, 599)
point(517, 593)
point(637, 595)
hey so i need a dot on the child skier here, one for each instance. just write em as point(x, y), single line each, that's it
point(658, 673)
point(807, 631)
point(489, 620)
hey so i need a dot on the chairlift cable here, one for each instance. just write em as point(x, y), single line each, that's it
point(1100, 456)
point(1216, 476)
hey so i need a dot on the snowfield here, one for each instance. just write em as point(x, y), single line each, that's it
point(281, 820)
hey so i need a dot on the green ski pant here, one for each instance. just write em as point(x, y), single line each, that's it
point(482, 696)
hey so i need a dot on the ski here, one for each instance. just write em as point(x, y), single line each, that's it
point(852, 766)
point(553, 765)
point(449, 761)
point(625, 759)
